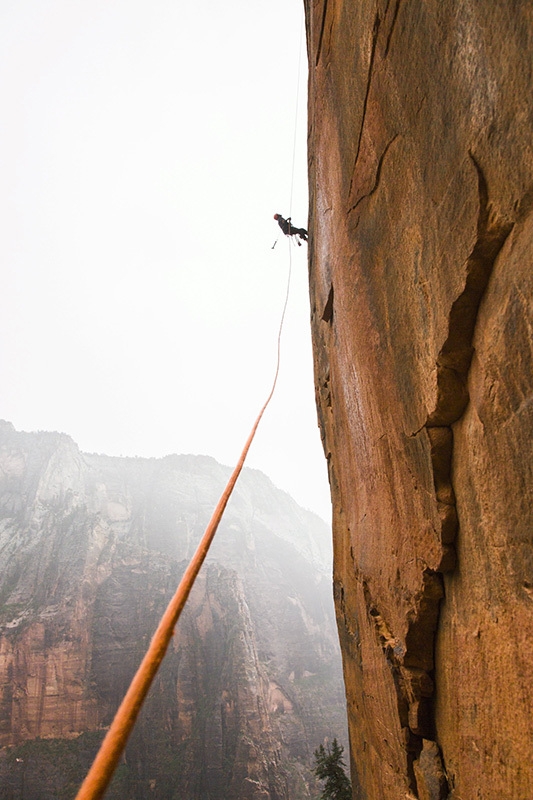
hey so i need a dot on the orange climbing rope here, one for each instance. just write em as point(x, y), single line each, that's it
point(104, 765)
point(106, 760)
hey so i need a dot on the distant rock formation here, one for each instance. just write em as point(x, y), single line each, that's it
point(421, 251)
point(92, 548)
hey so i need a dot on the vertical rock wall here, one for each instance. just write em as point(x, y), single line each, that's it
point(421, 193)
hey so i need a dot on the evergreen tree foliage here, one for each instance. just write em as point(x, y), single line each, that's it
point(330, 768)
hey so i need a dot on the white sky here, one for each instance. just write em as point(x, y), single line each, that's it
point(144, 148)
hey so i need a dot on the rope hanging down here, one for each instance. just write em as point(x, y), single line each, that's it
point(302, 26)
point(104, 765)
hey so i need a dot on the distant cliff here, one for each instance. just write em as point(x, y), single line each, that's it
point(421, 252)
point(91, 550)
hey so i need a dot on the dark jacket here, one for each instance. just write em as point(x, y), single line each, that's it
point(289, 230)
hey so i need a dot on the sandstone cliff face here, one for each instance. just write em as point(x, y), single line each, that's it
point(92, 549)
point(421, 178)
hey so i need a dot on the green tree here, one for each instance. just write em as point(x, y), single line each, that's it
point(330, 768)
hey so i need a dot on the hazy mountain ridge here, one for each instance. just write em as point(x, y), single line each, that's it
point(92, 548)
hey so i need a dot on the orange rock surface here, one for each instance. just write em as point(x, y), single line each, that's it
point(421, 192)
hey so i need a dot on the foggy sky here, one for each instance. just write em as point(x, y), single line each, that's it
point(144, 148)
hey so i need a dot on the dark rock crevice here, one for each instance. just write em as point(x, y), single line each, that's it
point(412, 662)
point(453, 365)
point(327, 314)
point(454, 360)
point(455, 357)
point(394, 15)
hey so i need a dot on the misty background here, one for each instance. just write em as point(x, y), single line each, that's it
point(144, 149)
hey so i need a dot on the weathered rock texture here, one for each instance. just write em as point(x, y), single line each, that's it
point(91, 550)
point(421, 178)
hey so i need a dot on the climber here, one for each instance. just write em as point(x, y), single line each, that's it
point(288, 228)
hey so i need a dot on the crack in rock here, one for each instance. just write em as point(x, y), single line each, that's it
point(455, 357)
point(412, 662)
point(453, 365)
point(411, 665)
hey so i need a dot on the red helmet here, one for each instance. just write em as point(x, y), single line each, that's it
point(276, 216)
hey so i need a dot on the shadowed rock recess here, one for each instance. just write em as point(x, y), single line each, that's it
point(421, 232)
point(91, 550)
